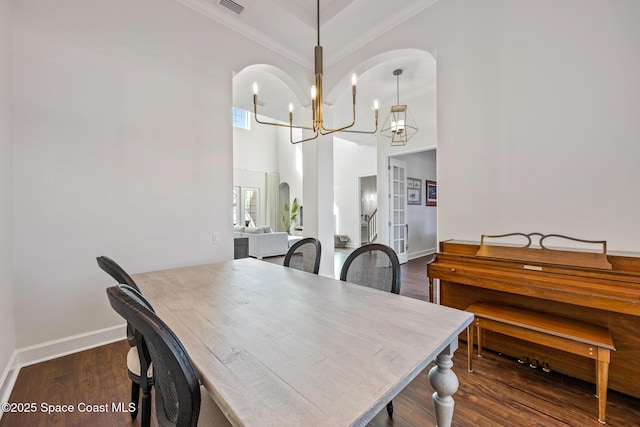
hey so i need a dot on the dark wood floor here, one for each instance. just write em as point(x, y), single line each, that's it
point(500, 392)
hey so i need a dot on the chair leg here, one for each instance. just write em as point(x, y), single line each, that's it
point(146, 408)
point(390, 408)
point(135, 397)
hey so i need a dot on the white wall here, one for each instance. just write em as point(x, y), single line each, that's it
point(351, 161)
point(290, 164)
point(255, 155)
point(255, 149)
point(537, 115)
point(7, 327)
point(266, 149)
point(122, 147)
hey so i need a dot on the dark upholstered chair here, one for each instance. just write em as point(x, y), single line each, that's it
point(135, 360)
point(376, 266)
point(304, 255)
point(180, 400)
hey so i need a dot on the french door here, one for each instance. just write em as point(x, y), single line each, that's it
point(398, 238)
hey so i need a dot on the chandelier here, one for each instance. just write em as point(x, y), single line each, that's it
point(317, 97)
point(399, 125)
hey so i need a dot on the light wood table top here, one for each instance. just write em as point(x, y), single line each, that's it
point(280, 347)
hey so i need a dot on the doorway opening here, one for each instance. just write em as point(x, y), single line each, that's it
point(368, 209)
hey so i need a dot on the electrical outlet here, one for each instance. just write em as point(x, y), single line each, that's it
point(216, 238)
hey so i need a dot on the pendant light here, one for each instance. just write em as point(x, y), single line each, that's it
point(399, 126)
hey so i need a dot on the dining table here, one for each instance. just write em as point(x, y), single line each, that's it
point(276, 347)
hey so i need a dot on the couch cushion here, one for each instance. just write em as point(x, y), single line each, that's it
point(267, 229)
point(238, 229)
point(253, 230)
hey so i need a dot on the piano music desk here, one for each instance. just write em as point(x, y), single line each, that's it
point(569, 335)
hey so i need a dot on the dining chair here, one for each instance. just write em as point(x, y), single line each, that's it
point(135, 360)
point(304, 255)
point(180, 400)
point(114, 270)
point(376, 266)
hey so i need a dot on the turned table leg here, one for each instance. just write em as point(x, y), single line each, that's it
point(445, 382)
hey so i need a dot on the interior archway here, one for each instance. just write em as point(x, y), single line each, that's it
point(262, 155)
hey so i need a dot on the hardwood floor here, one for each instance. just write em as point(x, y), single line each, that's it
point(501, 392)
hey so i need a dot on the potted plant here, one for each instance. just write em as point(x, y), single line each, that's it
point(290, 215)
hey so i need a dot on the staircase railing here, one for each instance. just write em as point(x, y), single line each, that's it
point(372, 227)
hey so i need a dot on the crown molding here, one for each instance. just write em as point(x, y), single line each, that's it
point(234, 24)
point(383, 27)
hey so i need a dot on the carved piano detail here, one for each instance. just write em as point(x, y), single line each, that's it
point(591, 286)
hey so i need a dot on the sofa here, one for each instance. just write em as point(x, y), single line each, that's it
point(262, 241)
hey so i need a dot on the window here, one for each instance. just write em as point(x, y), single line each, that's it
point(240, 118)
point(236, 213)
point(251, 196)
point(246, 205)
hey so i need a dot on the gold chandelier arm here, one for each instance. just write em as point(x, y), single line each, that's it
point(327, 131)
point(255, 116)
point(371, 132)
point(302, 140)
point(346, 128)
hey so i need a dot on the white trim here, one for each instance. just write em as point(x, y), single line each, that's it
point(73, 344)
point(425, 252)
point(7, 380)
point(53, 349)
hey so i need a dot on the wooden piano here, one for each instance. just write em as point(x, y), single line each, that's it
point(595, 287)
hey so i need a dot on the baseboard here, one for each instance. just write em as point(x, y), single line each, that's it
point(53, 349)
point(414, 255)
point(8, 379)
point(73, 344)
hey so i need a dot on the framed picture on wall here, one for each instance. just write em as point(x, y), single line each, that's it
point(431, 193)
point(414, 193)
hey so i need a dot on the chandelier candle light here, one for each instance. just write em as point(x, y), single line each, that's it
point(317, 103)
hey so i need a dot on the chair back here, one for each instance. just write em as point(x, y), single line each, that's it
point(373, 265)
point(114, 270)
point(177, 389)
point(304, 255)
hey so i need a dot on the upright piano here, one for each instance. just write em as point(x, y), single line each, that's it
point(596, 287)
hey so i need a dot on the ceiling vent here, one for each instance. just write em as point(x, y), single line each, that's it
point(233, 6)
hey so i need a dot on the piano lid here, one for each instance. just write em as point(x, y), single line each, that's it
point(544, 254)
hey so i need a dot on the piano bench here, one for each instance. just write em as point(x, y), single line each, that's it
point(565, 334)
